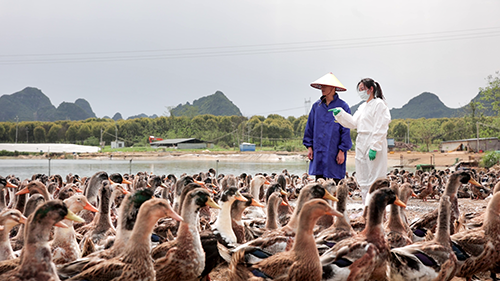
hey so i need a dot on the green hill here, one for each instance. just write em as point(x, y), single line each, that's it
point(217, 104)
point(428, 105)
point(31, 104)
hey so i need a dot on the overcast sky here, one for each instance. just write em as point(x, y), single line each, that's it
point(138, 57)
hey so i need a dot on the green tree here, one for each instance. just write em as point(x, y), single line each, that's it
point(492, 91)
point(84, 132)
point(39, 134)
point(54, 134)
point(72, 133)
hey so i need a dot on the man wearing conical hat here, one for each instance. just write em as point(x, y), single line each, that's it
point(326, 140)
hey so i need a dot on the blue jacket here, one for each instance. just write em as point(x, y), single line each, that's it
point(326, 137)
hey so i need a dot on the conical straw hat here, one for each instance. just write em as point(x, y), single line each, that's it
point(329, 80)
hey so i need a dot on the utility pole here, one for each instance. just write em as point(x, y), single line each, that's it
point(17, 126)
point(307, 105)
point(261, 123)
point(477, 130)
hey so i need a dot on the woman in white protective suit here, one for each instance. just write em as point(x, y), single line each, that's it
point(372, 122)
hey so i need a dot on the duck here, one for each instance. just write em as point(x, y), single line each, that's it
point(363, 256)
point(301, 262)
point(101, 227)
point(134, 263)
point(341, 229)
point(260, 226)
point(427, 260)
point(67, 191)
point(281, 239)
point(256, 189)
point(8, 219)
point(479, 248)
point(3, 185)
point(128, 212)
point(35, 186)
point(64, 246)
point(428, 221)
point(36, 259)
point(222, 225)
point(396, 233)
point(185, 258)
point(241, 230)
point(33, 202)
point(359, 223)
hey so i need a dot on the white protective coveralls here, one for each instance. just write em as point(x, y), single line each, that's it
point(372, 122)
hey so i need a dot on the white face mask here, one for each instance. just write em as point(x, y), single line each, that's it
point(363, 95)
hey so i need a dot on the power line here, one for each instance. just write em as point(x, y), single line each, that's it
point(256, 49)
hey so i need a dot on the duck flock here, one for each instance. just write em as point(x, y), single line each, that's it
point(275, 226)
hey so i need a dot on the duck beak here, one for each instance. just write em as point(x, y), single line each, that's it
point(90, 208)
point(78, 190)
point(282, 192)
point(413, 194)
point(334, 212)
point(72, 216)
point(267, 182)
point(171, 213)
point(329, 196)
point(1, 227)
point(257, 204)
point(163, 185)
point(210, 190)
point(125, 181)
point(111, 182)
point(399, 203)
point(240, 197)
point(123, 190)
point(11, 185)
point(23, 191)
point(22, 219)
point(211, 203)
point(61, 224)
point(474, 182)
point(283, 203)
point(200, 183)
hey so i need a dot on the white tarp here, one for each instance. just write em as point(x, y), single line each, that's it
point(48, 147)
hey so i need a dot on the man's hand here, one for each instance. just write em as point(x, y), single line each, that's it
point(310, 153)
point(340, 157)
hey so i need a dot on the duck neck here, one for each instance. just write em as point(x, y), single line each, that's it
point(255, 188)
point(103, 218)
point(64, 235)
point(36, 255)
point(188, 233)
point(492, 219)
point(272, 215)
point(443, 225)
point(395, 223)
point(305, 245)
point(373, 228)
point(294, 219)
point(139, 242)
point(223, 223)
point(2, 199)
point(6, 252)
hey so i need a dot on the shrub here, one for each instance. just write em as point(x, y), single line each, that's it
point(490, 158)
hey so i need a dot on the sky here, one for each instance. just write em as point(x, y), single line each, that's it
point(138, 57)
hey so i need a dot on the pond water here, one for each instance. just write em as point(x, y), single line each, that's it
point(24, 168)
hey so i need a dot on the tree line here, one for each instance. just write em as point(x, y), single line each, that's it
point(229, 131)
